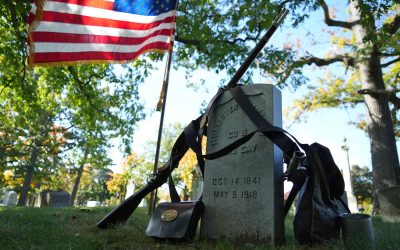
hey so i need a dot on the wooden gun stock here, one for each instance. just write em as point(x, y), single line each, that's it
point(122, 212)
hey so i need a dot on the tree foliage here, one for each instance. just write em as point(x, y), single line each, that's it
point(49, 115)
point(361, 179)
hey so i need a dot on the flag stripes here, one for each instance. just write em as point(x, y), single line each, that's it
point(67, 31)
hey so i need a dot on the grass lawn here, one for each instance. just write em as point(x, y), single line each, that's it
point(72, 228)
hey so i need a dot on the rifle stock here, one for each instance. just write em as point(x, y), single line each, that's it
point(122, 212)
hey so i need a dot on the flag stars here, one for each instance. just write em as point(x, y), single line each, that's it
point(144, 7)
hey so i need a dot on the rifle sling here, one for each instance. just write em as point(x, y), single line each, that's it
point(278, 136)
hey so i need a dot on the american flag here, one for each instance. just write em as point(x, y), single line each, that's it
point(98, 31)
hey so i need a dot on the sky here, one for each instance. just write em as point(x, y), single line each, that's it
point(328, 127)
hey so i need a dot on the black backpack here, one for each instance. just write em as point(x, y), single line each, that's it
point(319, 202)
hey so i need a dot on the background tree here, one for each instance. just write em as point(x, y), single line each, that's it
point(370, 50)
point(91, 102)
point(361, 178)
point(117, 186)
point(188, 170)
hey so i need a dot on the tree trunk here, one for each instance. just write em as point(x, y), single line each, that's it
point(28, 177)
point(379, 123)
point(78, 179)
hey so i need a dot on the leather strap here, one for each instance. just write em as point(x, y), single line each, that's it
point(278, 136)
point(292, 195)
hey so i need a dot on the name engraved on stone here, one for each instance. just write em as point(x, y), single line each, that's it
point(225, 114)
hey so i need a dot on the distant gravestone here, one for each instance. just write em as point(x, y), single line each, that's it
point(197, 188)
point(143, 203)
point(40, 199)
point(93, 203)
point(10, 198)
point(243, 192)
point(51, 199)
point(58, 199)
point(130, 189)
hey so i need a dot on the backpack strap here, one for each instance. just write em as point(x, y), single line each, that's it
point(297, 185)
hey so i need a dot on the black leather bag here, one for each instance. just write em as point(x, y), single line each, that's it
point(175, 220)
point(319, 199)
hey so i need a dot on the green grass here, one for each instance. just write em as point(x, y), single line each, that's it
point(72, 228)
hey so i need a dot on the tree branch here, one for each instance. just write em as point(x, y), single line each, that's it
point(391, 95)
point(81, 86)
point(197, 43)
point(331, 22)
point(8, 83)
point(383, 65)
point(393, 99)
point(393, 26)
point(390, 54)
point(348, 60)
point(187, 40)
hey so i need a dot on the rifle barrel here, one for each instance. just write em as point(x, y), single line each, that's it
point(259, 46)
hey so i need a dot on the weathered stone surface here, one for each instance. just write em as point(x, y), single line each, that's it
point(243, 193)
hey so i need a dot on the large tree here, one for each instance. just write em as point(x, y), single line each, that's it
point(367, 48)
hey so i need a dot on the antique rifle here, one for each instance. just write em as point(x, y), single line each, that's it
point(122, 212)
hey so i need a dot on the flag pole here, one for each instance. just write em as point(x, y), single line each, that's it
point(161, 107)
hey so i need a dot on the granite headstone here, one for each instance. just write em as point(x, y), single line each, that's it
point(58, 199)
point(243, 191)
point(41, 199)
point(51, 199)
point(10, 198)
